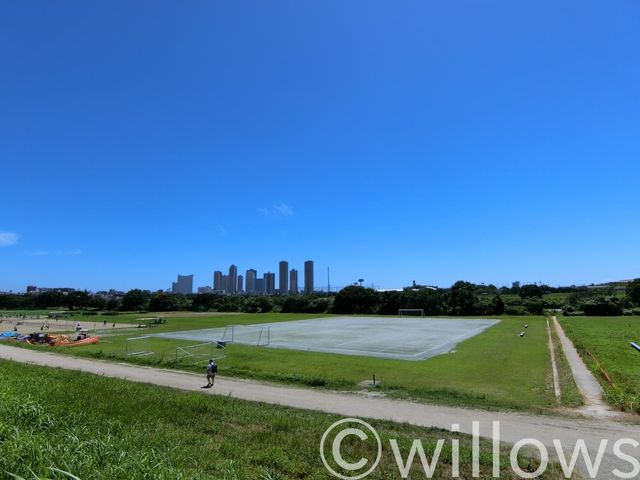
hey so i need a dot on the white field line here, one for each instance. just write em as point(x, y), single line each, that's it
point(554, 368)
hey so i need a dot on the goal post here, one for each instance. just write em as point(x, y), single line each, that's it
point(138, 346)
point(198, 353)
point(410, 312)
point(247, 334)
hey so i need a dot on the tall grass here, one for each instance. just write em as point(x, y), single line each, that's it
point(54, 421)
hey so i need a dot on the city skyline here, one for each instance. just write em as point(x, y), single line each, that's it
point(233, 283)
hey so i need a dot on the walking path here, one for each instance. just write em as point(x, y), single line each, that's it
point(513, 426)
point(594, 403)
point(554, 367)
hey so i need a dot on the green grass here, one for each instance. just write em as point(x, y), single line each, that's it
point(496, 369)
point(100, 428)
point(607, 338)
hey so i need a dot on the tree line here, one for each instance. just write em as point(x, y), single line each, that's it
point(462, 298)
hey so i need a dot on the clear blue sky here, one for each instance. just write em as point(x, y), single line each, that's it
point(394, 141)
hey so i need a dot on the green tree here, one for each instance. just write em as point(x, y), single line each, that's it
point(530, 291)
point(462, 298)
point(356, 299)
point(633, 291)
point(497, 305)
point(135, 299)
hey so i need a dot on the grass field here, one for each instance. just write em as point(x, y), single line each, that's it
point(100, 428)
point(496, 369)
point(607, 339)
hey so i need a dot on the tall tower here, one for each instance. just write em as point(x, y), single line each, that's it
point(283, 278)
point(218, 282)
point(293, 281)
point(269, 283)
point(232, 284)
point(184, 285)
point(240, 288)
point(250, 281)
point(308, 276)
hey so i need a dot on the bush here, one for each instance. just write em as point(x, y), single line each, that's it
point(602, 307)
point(515, 310)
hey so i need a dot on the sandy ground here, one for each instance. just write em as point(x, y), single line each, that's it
point(513, 426)
point(29, 325)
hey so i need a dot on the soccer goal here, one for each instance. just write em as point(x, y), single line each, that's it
point(247, 334)
point(138, 346)
point(410, 312)
point(199, 353)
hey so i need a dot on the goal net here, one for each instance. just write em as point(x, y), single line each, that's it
point(198, 353)
point(247, 334)
point(138, 347)
point(411, 312)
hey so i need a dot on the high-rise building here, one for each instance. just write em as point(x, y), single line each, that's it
point(259, 286)
point(240, 288)
point(232, 283)
point(269, 283)
point(250, 281)
point(184, 285)
point(283, 278)
point(293, 281)
point(218, 279)
point(308, 276)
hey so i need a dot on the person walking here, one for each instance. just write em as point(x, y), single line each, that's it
point(212, 369)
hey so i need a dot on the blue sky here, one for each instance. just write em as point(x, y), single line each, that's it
point(392, 141)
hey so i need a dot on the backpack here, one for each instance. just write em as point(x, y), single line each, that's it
point(214, 368)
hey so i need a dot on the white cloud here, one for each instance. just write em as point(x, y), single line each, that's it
point(284, 209)
point(8, 238)
point(279, 210)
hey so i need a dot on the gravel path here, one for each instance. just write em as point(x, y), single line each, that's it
point(513, 426)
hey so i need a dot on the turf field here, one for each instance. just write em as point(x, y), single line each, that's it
point(383, 337)
point(603, 342)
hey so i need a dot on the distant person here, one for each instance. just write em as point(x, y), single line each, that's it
point(212, 369)
point(105, 323)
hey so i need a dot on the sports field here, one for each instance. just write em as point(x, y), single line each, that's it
point(486, 370)
point(390, 337)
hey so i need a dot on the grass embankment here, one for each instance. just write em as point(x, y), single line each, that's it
point(496, 369)
point(607, 339)
point(101, 428)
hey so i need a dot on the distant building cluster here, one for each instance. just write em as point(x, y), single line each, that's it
point(232, 283)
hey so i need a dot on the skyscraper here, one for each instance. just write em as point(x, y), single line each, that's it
point(232, 283)
point(218, 281)
point(293, 281)
point(283, 278)
point(184, 285)
point(240, 288)
point(259, 286)
point(308, 276)
point(269, 283)
point(250, 281)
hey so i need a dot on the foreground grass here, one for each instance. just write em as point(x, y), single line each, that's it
point(607, 339)
point(101, 428)
point(496, 369)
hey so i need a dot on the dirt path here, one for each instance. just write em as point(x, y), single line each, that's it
point(594, 403)
point(513, 426)
point(554, 366)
